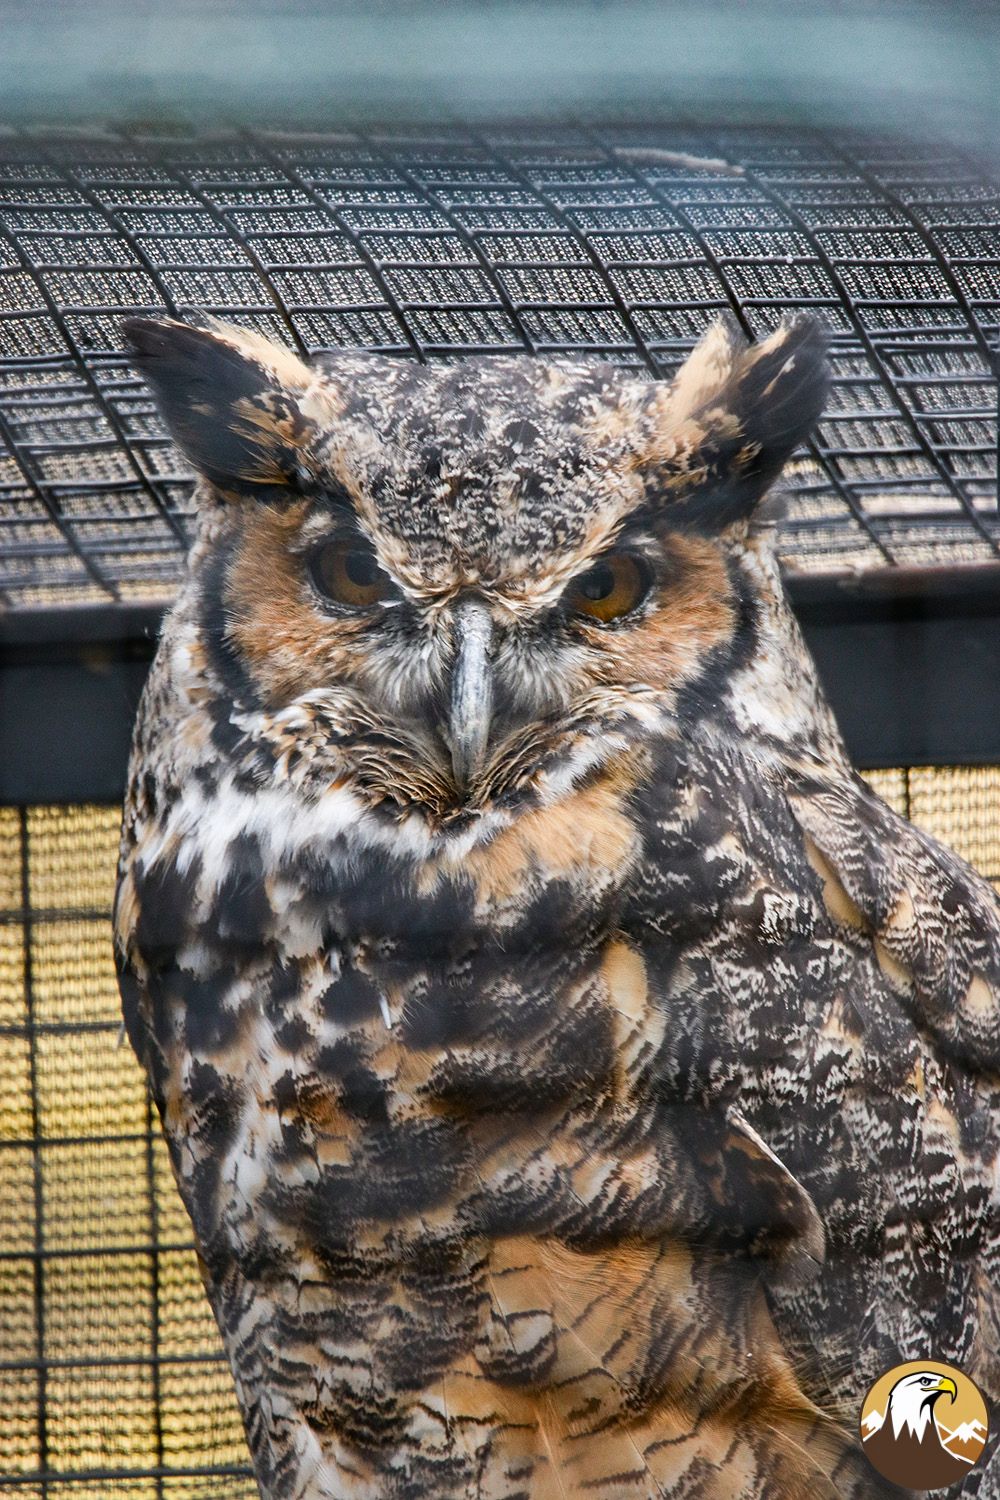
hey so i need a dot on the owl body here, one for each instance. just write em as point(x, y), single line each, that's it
point(579, 1082)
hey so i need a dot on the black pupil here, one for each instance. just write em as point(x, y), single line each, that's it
point(361, 569)
point(598, 583)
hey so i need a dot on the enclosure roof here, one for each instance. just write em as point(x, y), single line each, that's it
point(624, 241)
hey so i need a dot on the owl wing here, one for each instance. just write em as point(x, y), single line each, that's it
point(933, 922)
point(924, 930)
point(834, 973)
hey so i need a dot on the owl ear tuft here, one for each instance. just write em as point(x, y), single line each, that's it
point(229, 398)
point(733, 417)
point(707, 368)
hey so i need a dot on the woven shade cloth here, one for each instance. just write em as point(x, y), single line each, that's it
point(622, 242)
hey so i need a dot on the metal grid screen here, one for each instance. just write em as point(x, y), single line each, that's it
point(112, 1380)
point(624, 242)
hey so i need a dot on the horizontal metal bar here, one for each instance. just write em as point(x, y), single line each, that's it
point(907, 657)
point(99, 1252)
point(49, 1477)
point(111, 1361)
point(53, 1028)
point(43, 1142)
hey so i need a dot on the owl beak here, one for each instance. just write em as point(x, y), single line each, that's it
point(471, 690)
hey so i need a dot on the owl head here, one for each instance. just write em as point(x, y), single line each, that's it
point(447, 584)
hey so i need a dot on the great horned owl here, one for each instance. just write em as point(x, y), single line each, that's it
point(580, 1083)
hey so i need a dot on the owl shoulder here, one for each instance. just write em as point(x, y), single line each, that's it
point(932, 921)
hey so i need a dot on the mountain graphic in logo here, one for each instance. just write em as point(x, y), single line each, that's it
point(924, 1425)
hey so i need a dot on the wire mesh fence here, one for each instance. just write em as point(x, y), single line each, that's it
point(112, 1378)
point(621, 242)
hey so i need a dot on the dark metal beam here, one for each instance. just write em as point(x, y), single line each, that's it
point(909, 659)
point(911, 682)
point(66, 724)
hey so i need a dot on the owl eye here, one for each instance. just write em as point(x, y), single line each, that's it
point(347, 574)
point(611, 588)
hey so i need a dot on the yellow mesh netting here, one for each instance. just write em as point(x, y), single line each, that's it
point(111, 1374)
point(960, 805)
point(112, 1381)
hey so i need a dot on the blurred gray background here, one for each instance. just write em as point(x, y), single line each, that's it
point(927, 68)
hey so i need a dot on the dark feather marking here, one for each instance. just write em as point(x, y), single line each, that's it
point(200, 382)
point(351, 999)
point(241, 914)
point(237, 686)
point(166, 897)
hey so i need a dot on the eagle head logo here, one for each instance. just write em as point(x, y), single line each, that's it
point(924, 1425)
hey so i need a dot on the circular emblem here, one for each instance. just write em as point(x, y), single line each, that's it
point(924, 1425)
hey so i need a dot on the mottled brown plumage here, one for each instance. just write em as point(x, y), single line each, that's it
point(580, 1083)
